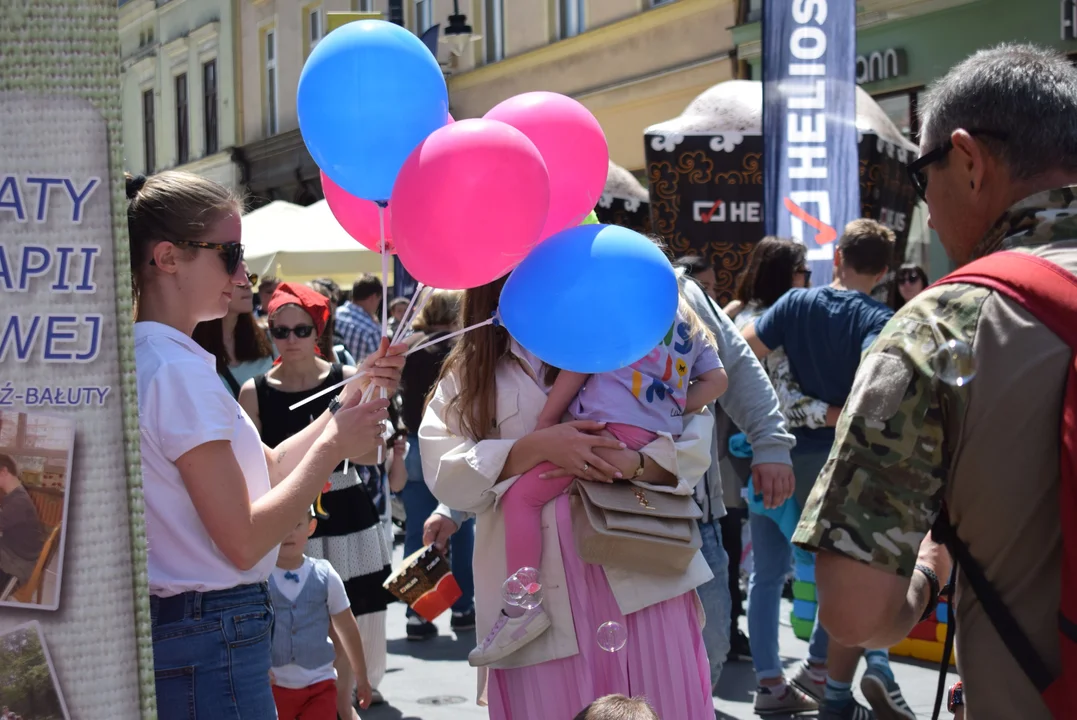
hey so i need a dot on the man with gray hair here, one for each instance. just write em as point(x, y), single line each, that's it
point(977, 426)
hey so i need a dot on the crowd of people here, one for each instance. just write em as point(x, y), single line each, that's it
point(270, 533)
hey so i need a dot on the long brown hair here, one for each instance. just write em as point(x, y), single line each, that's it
point(251, 340)
point(474, 359)
point(770, 271)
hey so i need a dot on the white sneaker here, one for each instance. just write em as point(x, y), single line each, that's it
point(509, 635)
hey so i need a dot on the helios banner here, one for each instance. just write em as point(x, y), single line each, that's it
point(810, 173)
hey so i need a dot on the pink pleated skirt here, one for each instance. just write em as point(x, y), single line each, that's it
point(663, 659)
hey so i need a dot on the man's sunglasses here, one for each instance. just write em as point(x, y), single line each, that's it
point(916, 167)
point(279, 332)
point(803, 271)
point(231, 253)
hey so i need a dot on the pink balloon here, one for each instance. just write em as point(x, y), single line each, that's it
point(572, 144)
point(468, 204)
point(358, 217)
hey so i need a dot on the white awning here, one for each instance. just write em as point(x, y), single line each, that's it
point(301, 243)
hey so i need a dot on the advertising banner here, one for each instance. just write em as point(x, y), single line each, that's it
point(707, 197)
point(809, 124)
point(74, 610)
point(691, 173)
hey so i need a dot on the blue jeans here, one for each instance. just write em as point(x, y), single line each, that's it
point(715, 598)
point(773, 556)
point(419, 503)
point(211, 654)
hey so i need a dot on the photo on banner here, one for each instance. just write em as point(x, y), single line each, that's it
point(33, 510)
point(28, 687)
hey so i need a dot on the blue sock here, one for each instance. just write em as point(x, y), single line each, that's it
point(880, 660)
point(838, 694)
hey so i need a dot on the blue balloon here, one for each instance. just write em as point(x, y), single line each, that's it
point(591, 299)
point(369, 93)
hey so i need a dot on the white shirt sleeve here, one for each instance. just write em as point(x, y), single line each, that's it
point(338, 597)
point(189, 407)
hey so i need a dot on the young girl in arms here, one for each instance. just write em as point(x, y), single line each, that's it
point(679, 377)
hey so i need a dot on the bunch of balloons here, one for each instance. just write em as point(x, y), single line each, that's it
point(464, 203)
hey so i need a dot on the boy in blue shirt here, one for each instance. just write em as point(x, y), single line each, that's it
point(824, 331)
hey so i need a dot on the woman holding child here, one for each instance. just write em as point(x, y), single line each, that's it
point(479, 436)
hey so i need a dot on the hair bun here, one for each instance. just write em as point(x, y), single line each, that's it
point(134, 185)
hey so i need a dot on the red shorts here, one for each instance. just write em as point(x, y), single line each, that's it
point(316, 702)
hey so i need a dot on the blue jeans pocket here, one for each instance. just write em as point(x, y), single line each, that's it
point(248, 628)
point(175, 692)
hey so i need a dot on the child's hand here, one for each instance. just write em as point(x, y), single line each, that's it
point(400, 447)
point(363, 691)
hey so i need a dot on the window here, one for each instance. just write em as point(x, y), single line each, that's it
point(571, 17)
point(902, 109)
point(270, 54)
point(315, 24)
point(362, 5)
point(209, 106)
point(424, 15)
point(46, 434)
point(183, 145)
point(495, 30)
point(149, 137)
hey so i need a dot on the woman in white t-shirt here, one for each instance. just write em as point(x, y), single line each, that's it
point(218, 502)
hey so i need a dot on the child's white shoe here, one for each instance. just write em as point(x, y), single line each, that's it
point(509, 635)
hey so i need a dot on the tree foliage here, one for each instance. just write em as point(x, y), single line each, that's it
point(25, 682)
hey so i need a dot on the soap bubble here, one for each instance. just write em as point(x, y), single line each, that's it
point(954, 363)
point(513, 591)
point(527, 575)
point(532, 597)
point(612, 636)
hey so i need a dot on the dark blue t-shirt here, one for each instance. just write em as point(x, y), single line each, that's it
point(824, 331)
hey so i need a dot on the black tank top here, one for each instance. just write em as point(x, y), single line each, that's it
point(278, 422)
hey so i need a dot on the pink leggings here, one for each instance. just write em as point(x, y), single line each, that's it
point(522, 504)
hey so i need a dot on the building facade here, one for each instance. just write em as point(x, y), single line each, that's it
point(631, 62)
point(178, 84)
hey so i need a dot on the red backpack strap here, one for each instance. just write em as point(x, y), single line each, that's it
point(1049, 293)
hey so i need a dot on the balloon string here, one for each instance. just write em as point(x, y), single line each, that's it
point(331, 388)
point(451, 335)
point(409, 317)
point(404, 331)
point(384, 299)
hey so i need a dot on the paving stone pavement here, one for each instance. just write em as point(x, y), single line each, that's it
point(431, 680)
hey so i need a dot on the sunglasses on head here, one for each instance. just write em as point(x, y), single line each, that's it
point(231, 253)
point(280, 332)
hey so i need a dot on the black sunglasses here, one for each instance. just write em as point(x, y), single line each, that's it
point(231, 253)
point(252, 279)
point(280, 332)
point(908, 277)
point(916, 168)
point(803, 271)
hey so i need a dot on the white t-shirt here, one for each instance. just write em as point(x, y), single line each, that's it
point(294, 676)
point(182, 404)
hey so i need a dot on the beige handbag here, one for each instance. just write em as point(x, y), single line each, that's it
point(623, 525)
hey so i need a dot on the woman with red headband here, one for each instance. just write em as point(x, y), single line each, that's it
point(349, 534)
